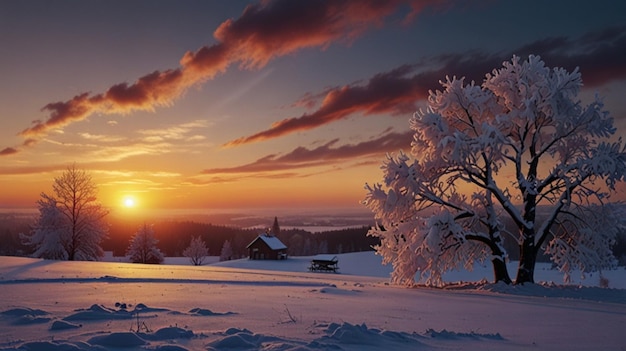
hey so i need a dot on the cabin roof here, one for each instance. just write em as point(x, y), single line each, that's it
point(272, 242)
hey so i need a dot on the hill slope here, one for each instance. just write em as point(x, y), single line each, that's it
point(53, 305)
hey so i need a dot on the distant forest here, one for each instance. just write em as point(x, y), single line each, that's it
point(175, 235)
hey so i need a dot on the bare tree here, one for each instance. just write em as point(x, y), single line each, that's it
point(71, 222)
point(196, 251)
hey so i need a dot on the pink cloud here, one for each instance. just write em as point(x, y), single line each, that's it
point(395, 93)
point(328, 153)
point(264, 31)
point(8, 151)
point(598, 54)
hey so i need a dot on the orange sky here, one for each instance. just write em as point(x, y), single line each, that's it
point(245, 104)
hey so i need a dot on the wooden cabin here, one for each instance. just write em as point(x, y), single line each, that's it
point(267, 247)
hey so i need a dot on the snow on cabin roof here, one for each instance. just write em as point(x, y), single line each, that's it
point(272, 242)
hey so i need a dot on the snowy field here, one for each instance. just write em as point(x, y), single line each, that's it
point(279, 305)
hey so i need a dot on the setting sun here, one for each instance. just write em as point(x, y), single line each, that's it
point(129, 202)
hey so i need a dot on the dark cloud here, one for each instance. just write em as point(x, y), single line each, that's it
point(264, 31)
point(391, 92)
point(276, 28)
point(64, 113)
point(157, 88)
point(324, 155)
point(599, 55)
point(8, 151)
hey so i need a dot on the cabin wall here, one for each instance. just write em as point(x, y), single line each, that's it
point(260, 251)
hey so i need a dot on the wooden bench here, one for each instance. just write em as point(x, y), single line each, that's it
point(323, 263)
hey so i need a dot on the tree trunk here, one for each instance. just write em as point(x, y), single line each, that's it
point(528, 251)
point(527, 260)
point(500, 273)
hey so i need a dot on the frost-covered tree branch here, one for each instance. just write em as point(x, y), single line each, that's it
point(523, 121)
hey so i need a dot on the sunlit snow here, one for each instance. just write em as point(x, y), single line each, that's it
point(279, 305)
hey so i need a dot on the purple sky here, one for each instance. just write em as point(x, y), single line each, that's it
point(221, 104)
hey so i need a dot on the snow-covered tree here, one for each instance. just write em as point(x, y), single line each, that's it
point(519, 143)
point(227, 251)
point(197, 251)
point(71, 223)
point(143, 247)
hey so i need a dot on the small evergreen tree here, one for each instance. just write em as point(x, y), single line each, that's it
point(276, 227)
point(227, 251)
point(196, 251)
point(143, 248)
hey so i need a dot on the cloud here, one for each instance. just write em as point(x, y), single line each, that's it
point(324, 155)
point(98, 149)
point(26, 170)
point(395, 92)
point(101, 138)
point(264, 31)
point(64, 113)
point(212, 180)
point(8, 151)
point(276, 28)
point(176, 132)
point(598, 54)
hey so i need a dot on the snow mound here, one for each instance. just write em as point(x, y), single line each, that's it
point(168, 333)
point(120, 339)
point(202, 312)
point(143, 308)
point(205, 312)
point(448, 335)
point(100, 312)
point(347, 333)
point(344, 336)
point(169, 348)
point(335, 290)
point(19, 312)
point(245, 339)
point(63, 325)
point(27, 320)
point(54, 346)
point(25, 316)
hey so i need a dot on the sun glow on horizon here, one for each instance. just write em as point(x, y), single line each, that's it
point(129, 202)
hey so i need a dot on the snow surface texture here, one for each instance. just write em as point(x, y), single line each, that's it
point(58, 305)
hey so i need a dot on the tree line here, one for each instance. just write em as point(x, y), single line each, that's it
point(175, 236)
